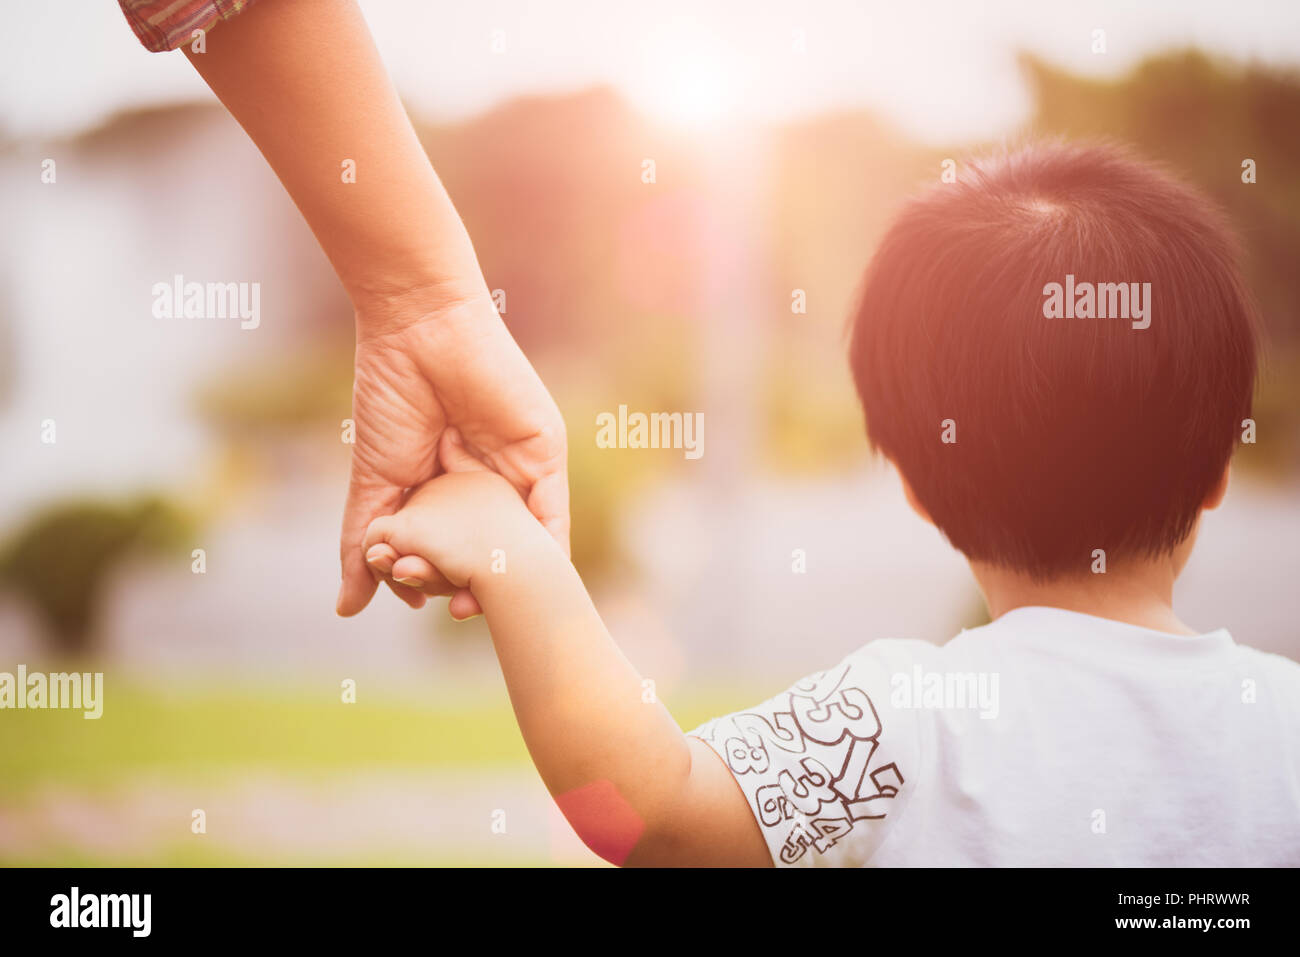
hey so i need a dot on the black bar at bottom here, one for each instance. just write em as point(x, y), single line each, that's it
point(611, 908)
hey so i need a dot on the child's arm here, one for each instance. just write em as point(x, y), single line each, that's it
point(634, 787)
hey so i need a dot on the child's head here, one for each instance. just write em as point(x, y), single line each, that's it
point(1028, 430)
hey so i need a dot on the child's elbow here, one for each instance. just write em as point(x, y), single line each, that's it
point(604, 820)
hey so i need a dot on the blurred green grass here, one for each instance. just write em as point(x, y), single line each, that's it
point(197, 731)
point(218, 732)
point(202, 730)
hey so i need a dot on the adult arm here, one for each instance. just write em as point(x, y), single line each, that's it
point(305, 81)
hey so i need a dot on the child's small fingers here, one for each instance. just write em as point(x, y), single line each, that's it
point(380, 559)
point(415, 572)
point(379, 532)
point(463, 605)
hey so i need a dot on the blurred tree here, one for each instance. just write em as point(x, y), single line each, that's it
point(837, 180)
point(63, 558)
point(285, 394)
point(551, 189)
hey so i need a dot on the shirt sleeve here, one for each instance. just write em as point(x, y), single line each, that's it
point(824, 764)
point(167, 24)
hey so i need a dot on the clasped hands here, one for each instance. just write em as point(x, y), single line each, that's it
point(441, 386)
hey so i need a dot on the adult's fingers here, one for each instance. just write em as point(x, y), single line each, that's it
point(549, 502)
point(412, 596)
point(454, 456)
point(365, 503)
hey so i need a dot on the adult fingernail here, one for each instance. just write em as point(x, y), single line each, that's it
point(410, 582)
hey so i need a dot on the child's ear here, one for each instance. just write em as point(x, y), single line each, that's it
point(1215, 498)
point(912, 500)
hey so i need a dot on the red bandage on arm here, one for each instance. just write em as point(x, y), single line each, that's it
point(603, 819)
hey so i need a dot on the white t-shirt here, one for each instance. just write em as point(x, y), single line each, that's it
point(1045, 738)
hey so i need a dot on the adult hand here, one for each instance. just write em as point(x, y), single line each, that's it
point(423, 364)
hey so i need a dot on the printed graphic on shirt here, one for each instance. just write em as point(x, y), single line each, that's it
point(808, 762)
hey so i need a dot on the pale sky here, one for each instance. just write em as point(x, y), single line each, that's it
point(943, 70)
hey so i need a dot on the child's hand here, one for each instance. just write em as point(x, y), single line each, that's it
point(451, 527)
